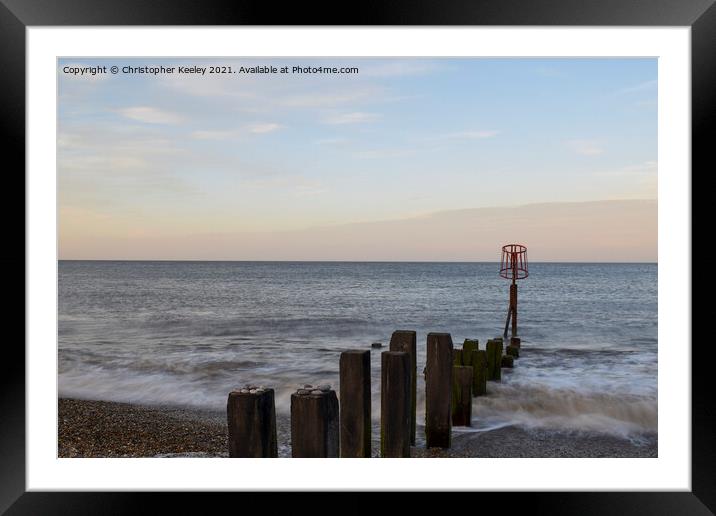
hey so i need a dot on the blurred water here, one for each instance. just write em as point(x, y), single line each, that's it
point(186, 333)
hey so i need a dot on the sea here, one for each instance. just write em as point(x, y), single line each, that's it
point(180, 333)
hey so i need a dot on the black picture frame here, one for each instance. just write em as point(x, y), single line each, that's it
point(17, 15)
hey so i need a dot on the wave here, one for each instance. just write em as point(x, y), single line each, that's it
point(540, 406)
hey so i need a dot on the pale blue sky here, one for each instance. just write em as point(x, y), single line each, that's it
point(141, 158)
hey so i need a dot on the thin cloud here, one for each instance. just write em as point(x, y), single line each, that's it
point(332, 141)
point(329, 99)
point(383, 153)
point(233, 134)
point(469, 135)
point(352, 118)
point(150, 115)
point(586, 147)
point(642, 86)
point(264, 128)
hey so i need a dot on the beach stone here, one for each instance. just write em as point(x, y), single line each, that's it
point(244, 391)
point(316, 391)
point(324, 388)
point(303, 392)
point(308, 386)
point(376, 345)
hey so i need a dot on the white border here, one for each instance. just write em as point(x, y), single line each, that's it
point(672, 469)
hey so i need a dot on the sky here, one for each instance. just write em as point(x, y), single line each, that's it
point(559, 154)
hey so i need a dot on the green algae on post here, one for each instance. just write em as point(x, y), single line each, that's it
point(494, 357)
point(468, 347)
point(479, 373)
point(513, 351)
point(457, 357)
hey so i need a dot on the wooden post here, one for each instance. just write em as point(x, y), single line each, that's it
point(494, 358)
point(395, 404)
point(251, 417)
point(508, 361)
point(314, 423)
point(513, 304)
point(355, 406)
point(513, 351)
point(457, 357)
point(479, 372)
point(438, 390)
point(516, 342)
point(462, 396)
point(405, 340)
point(468, 347)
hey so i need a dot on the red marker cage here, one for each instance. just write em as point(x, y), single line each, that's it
point(513, 263)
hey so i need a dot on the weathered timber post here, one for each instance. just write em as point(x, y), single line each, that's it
point(468, 347)
point(314, 423)
point(494, 358)
point(355, 406)
point(395, 404)
point(438, 390)
point(516, 342)
point(508, 361)
point(405, 340)
point(513, 351)
point(462, 396)
point(457, 357)
point(251, 417)
point(479, 372)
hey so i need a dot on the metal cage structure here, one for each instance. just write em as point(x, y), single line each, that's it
point(513, 263)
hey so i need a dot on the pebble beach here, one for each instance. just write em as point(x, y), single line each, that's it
point(89, 428)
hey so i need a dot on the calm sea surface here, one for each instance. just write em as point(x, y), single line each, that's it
point(186, 333)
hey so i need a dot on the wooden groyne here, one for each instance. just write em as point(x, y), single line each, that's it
point(324, 426)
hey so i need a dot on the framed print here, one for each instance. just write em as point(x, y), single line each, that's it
point(456, 239)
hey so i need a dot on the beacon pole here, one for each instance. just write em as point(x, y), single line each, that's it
point(513, 265)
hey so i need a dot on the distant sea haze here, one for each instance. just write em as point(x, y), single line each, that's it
point(599, 231)
point(186, 333)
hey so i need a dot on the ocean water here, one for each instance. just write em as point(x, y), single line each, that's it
point(186, 333)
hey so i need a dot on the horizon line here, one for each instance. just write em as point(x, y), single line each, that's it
point(342, 261)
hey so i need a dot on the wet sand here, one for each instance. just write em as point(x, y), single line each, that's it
point(108, 429)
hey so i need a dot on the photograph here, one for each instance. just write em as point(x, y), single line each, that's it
point(357, 257)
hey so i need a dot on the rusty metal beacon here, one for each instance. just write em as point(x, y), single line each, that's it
point(513, 265)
